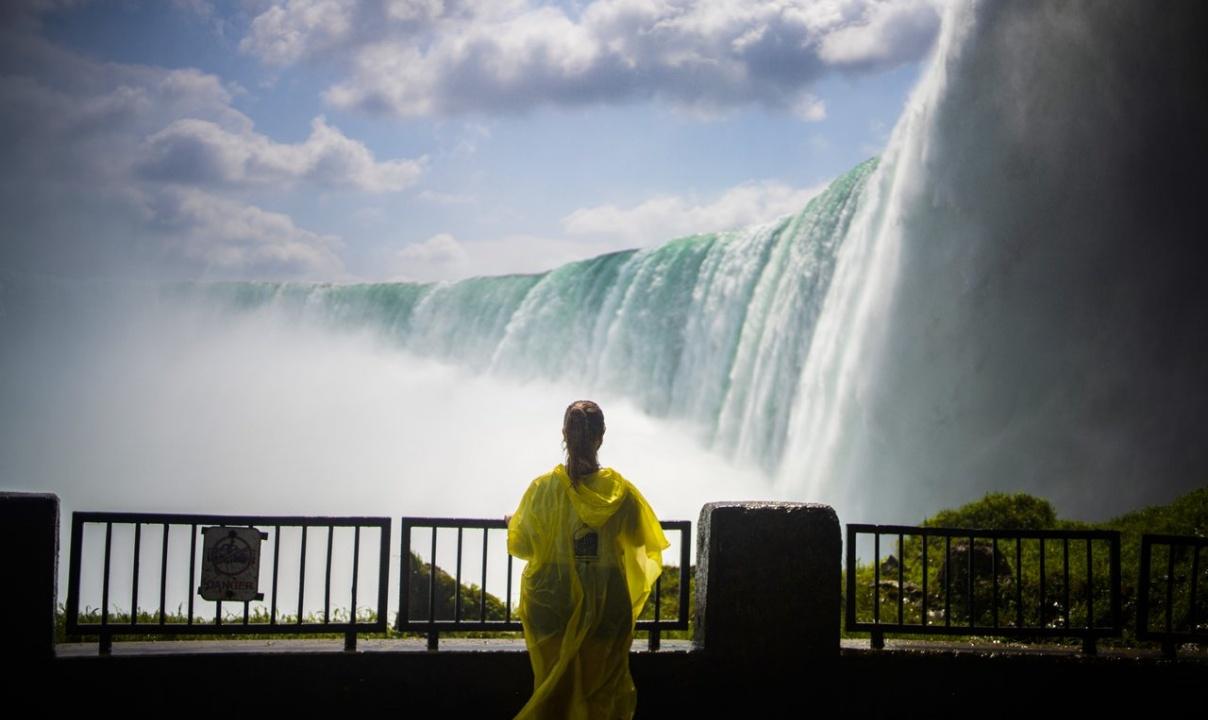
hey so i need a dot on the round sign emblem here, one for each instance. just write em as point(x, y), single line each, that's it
point(231, 555)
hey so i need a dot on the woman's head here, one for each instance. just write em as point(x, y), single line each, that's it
point(582, 433)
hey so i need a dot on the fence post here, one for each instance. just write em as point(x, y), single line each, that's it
point(29, 531)
point(767, 583)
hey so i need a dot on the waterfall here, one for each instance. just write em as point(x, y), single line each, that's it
point(1009, 298)
point(712, 329)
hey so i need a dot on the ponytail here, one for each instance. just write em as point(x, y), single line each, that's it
point(582, 433)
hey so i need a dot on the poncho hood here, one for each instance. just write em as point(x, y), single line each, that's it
point(596, 497)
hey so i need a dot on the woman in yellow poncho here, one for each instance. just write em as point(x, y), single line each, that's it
point(594, 549)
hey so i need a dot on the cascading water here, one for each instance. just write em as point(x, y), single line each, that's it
point(1020, 304)
point(713, 329)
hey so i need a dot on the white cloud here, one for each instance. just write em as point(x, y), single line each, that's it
point(440, 198)
point(598, 230)
point(285, 31)
point(226, 237)
point(441, 249)
point(885, 31)
point(443, 257)
point(431, 58)
point(79, 137)
point(199, 151)
point(669, 216)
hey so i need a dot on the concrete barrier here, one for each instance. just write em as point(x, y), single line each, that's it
point(29, 534)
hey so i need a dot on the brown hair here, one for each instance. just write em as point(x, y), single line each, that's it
point(582, 433)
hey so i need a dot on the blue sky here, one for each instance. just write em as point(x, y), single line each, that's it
point(426, 139)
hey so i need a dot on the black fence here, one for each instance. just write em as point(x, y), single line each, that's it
point(948, 581)
point(422, 600)
point(1174, 594)
point(102, 623)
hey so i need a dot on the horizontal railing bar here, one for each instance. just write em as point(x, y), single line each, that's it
point(1188, 540)
point(984, 630)
point(454, 523)
point(422, 626)
point(378, 626)
point(965, 532)
point(188, 519)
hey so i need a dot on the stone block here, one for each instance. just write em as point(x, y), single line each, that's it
point(768, 582)
point(29, 533)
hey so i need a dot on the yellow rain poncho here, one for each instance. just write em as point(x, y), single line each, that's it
point(593, 552)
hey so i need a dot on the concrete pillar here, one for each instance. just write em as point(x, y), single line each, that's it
point(29, 534)
point(767, 583)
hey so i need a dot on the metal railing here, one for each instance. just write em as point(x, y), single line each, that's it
point(1183, 569)
point(107, 627)
point(417, 611)
point(990, 597)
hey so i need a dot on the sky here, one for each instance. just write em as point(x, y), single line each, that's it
point(426, 140)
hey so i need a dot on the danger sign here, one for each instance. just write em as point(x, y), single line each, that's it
point(230, 565)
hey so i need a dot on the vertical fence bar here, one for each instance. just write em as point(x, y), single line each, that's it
point(969, 604)
point(73, 577)
point(331, 531)
point(878, 637)
point(1169, 587)
point(106, 640)
point(350, 637)
point(851, 576)
point(433, 636)
point(356, 568)
point(994, 573)
point(1018, 583)
point(947, 581)
point(163, 575)
point(482, 589)
point(247, 604)
point(1143, 587)
point(272, 616)
point(924, 617)
point(383, 585)
point(1065, 554)
point(105, 580)
point(301, 574)
point(508, 615)
point(138, 536)
point(1088, 642)
point(901, 570)
point(1090, 586)
point(652, 643)
point(685, 580)
point(192, 569)
point(1195, 580)
point(1114, 564)
point(404, 576)
point(457, 582)
point(876, 577)
point(1169, 649)
point(1043, 614)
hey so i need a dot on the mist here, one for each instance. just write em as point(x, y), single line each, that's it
point(124, 398)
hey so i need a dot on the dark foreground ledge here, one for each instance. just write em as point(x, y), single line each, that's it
point(491, 678)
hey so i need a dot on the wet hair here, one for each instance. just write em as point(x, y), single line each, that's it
point(582, 433)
